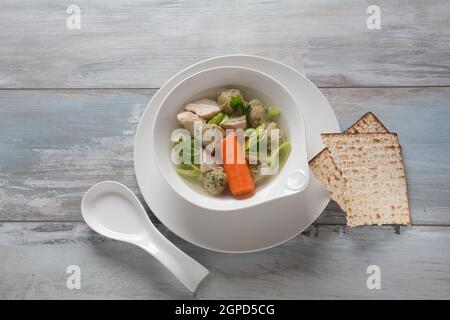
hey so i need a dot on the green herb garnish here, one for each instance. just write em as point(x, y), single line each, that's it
point(235, 102)
point(245, 108)
point(238, 103)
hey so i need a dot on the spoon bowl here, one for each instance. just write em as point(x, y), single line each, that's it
point(111, 209)
point(104, 208)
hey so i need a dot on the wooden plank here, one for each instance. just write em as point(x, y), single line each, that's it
point(55, 144)
point(143, 45)
point(325, 262)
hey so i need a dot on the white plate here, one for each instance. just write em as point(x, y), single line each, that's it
point(249, 229)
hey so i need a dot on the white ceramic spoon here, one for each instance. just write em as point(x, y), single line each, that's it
point(113, 210)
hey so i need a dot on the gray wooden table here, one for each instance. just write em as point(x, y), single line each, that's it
point(70, 100)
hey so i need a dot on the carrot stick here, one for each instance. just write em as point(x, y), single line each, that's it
point(240, 180)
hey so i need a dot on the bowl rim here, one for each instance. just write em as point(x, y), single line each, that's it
point(226, 208)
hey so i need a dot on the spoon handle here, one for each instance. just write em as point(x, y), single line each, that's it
point(182, 266)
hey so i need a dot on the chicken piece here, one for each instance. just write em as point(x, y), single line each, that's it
point(224, 98)
point(257, 114)
point(187, 119)
point(215, 181)
point(204, 108)
point(235, 123)
point(210, 133)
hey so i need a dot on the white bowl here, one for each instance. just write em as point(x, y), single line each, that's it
point(291, 179)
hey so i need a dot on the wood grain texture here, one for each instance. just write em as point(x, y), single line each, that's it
point(142, 45)
point(325, 262)
point(55, 144)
